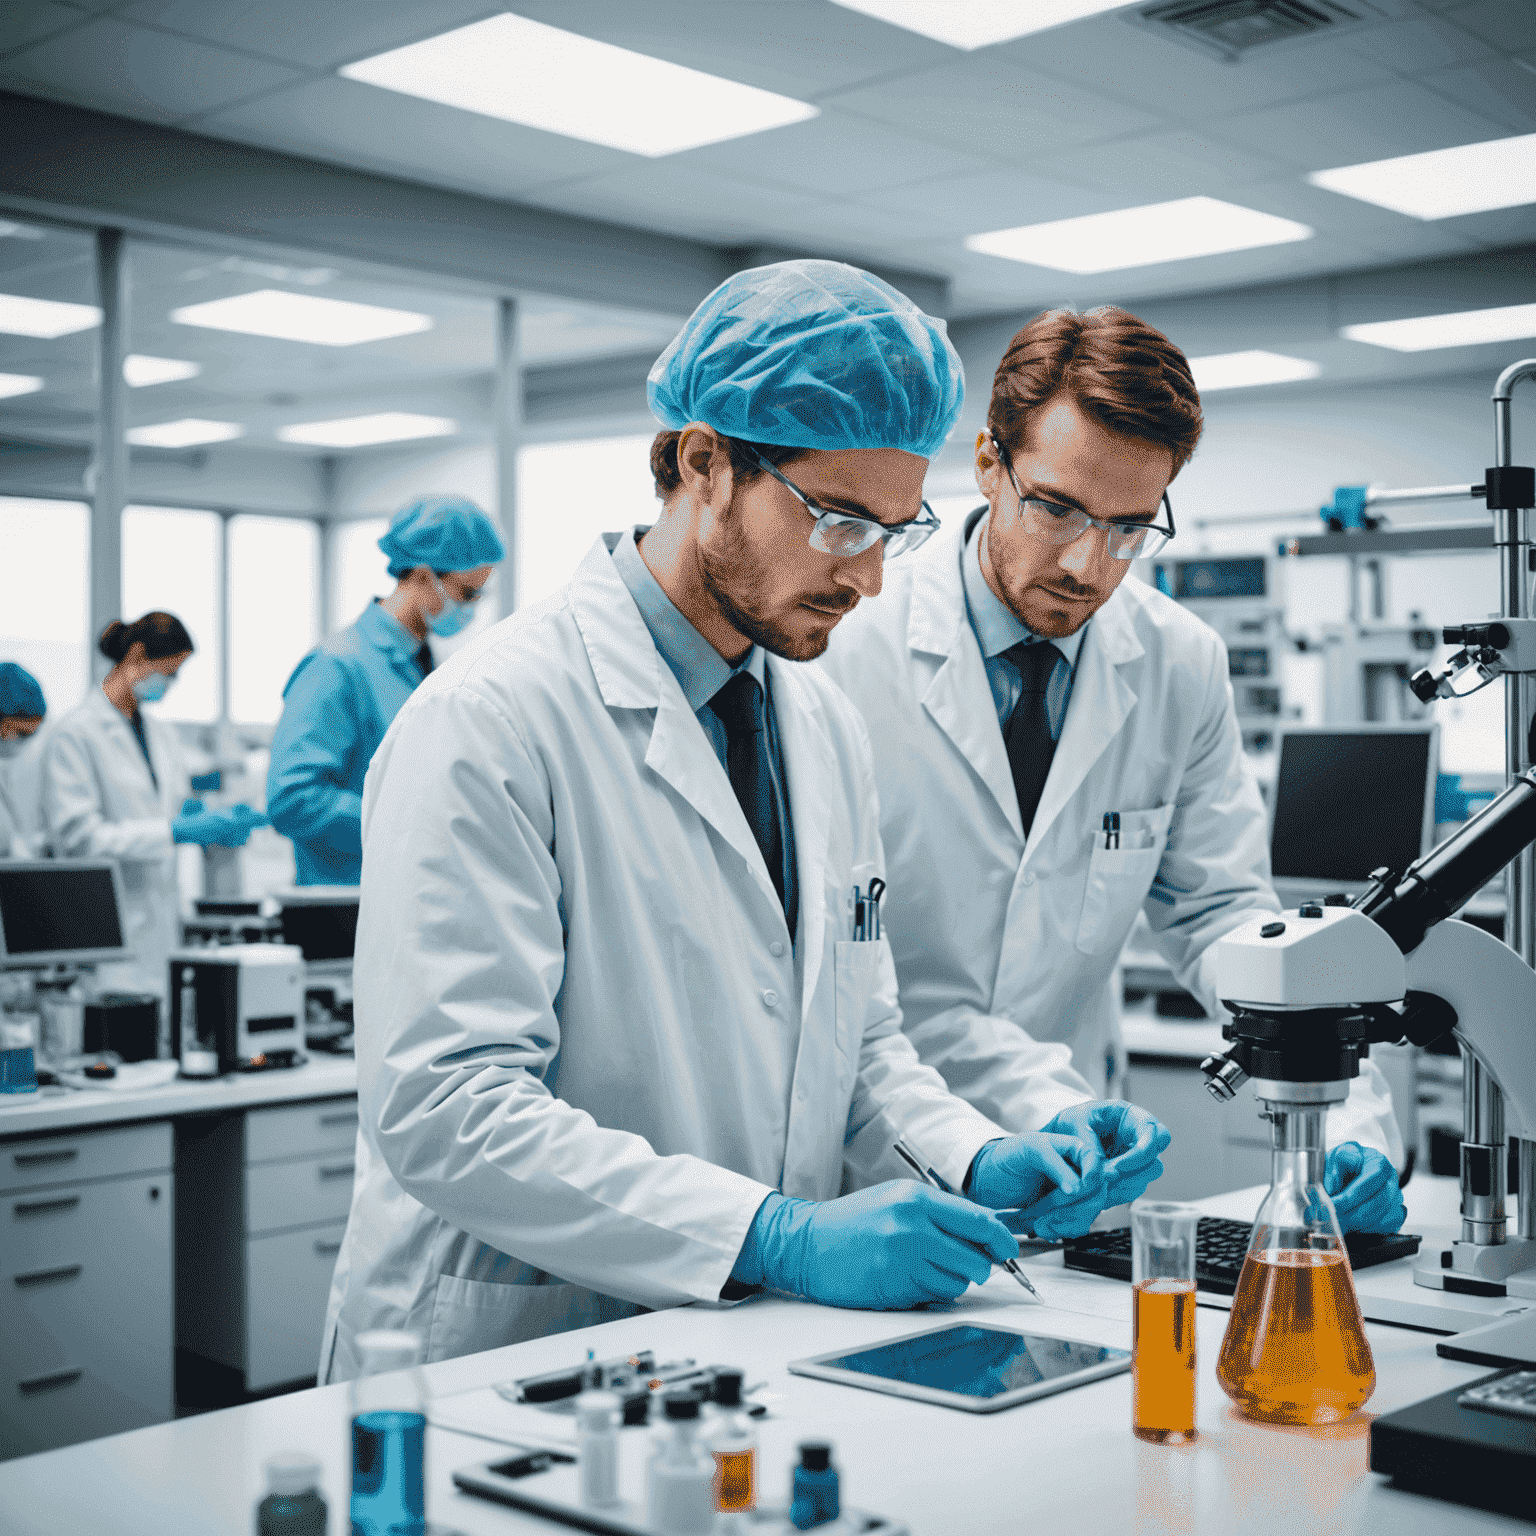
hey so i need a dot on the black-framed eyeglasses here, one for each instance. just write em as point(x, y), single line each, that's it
point(845, 534)
point(1056, 524)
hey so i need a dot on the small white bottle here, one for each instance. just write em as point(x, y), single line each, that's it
point(597, 1447)
point(680, 1480)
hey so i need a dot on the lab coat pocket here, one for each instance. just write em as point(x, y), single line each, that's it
point(860, 969)
point(472, 1315)
point(1119, 878)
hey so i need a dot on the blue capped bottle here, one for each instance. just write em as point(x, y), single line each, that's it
point(389, 1423)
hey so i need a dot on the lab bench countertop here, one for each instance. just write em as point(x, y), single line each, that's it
point(1067, 1462)
point(76, 1109)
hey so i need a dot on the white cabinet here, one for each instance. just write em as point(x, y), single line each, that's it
point(85, 1286)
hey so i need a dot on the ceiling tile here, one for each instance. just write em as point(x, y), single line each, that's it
point(1414, 44)
point(1498, 88)
point(304, 33)
point(115, 67)
point(957, 206)
point(1156, 167)
point(1508, 25)
point(361, 125)
point(23, 22)
point(984, 106)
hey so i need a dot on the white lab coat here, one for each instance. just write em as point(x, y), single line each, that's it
point(99, 802)
point(586, 1050)
point(999, 947)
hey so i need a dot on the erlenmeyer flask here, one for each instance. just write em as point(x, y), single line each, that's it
point(1295, 1350)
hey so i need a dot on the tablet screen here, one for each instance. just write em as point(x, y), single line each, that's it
point(978, 1362)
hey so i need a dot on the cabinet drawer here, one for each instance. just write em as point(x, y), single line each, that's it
point(296, 1194)
point(86, 1326)
point(287, 1286)
point(291, 1130)
point(85, 1155)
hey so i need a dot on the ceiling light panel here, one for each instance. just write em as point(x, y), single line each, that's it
point(1242, 370)
point(979, 23)
point(366, 431)
point(45, 318)
point(1468, 328)
point(1140, 237)
point(188, 432)
point(13, 384)
point(1443, 183)
point(302, 317)
point(143, 371)
point(525, 72)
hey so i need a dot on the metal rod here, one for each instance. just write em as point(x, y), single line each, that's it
point(1484, 1154)
point(107, 478)
point(1379, 498)
point(509, 441)
point(1525, 1199)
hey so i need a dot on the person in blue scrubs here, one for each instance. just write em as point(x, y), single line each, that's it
point(344, 693)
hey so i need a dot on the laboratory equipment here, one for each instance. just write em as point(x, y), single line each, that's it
point(1295, 1350)
point(125, 1023)
point(197, 1035)
point(614, 1375)
point(60, 912)
point(247, 999)
point(597, 1447)
point(1514, 1395)
point(733, 1444)
point(680, 1479)
point(293, 1506)
point(320, 919)
point(18, 1063)
point(815, 1497)
point(979, 1370)
point(387, 1403)
point(1163, 1321)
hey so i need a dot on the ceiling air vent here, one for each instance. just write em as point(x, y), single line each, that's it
point(1230, 27)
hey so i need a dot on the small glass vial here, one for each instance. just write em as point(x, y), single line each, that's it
point(293, 1506)
point(1163, 1238)
point(733, 1444)
point(389, 1422)
point(199, 1045)
point(814, 1498)
point(597, 1447)
point(680, 1480)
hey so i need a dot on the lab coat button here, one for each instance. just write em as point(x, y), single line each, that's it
point(1029, 880)
point(770, 998)
point(776, 949)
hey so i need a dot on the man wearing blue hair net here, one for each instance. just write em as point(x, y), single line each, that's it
point(344, 693)
point(21, 716)
point(620, 1042)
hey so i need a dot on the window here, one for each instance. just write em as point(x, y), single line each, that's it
point(359, 569)
point(43, 615)
point(274, 610)
point(171, 561)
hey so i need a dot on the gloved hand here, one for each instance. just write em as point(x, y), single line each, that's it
point(1131, 1139)
point(894, 1245)
point(1051, 1185)
point(1363, 1186)
point(228, 828)
point(191, 807)
point(251, 818)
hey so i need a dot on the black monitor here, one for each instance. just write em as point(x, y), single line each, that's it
point(60, 912)
point(321, 920)
point(1351, 798)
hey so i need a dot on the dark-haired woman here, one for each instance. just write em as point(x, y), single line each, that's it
point(115, 786)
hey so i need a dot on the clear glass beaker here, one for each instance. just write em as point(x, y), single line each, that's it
point(1163, 1320)
point(1295, 1350)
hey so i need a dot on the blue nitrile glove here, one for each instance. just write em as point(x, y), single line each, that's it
point(251, 818)
point(191, 807)
point(1051, 1185)
point(1131, 1139)
point(895, 1245)
point(207, 827)
point(1363, 1185)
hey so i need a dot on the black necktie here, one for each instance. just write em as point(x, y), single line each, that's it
point(424, 660)
point(1027, 735)
point(739, 706)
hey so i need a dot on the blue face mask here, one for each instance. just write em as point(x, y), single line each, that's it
point(150, 687)
point(451, 617)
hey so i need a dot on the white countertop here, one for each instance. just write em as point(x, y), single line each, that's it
point(73, 1109)
point(1065, 1463)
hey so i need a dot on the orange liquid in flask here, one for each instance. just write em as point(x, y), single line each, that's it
point(1163, 1352)
point(1295, 1350)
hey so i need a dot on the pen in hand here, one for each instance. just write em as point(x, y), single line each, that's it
point(929, 1177)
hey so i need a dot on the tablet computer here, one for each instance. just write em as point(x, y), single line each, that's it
point(965, 1366)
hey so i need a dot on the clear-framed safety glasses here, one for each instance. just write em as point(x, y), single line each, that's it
point(1053, 523)
point(844, 534)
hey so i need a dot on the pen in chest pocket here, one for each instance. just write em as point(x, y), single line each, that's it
point(1111, 829)
point(866, 910)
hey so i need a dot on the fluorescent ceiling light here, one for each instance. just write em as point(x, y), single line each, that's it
point(1239, 370)
point(978, 23)
point(189, 432)
point(13, 231)
point(141, 371)
point(364, 431)
point(18, 384)
point(1139, 237)
point(1443, 183)
point(302, 317)
point(525, 72)
point(1469, 328)
point(48, 318)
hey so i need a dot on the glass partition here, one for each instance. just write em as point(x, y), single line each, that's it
point(173, 560)
point(274, 610)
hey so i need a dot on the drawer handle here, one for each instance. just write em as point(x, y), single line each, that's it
point(350, 1118)
point(37, 1159)
point(327, 1245)
point(338, 1170)
point(37, 1207)
point(43, 1276)
point(65, 1378)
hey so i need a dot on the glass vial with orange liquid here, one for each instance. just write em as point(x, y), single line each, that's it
point(1163, 1320)
point(1295, 1350)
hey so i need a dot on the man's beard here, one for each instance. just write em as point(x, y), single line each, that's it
point(722, 565)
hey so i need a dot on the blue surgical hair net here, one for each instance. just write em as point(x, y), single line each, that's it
point(812, 354)
point(449, 533)
point(20, 692)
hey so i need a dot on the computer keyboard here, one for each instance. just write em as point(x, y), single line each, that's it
point(1220, 1248)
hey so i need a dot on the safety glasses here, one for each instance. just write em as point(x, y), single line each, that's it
point(1053, 523)
point(844, 534)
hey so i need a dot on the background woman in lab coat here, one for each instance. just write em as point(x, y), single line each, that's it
point(21, 716)
point(115, 786)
